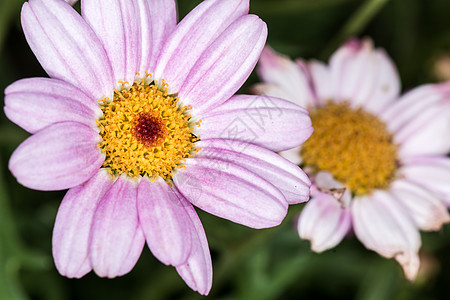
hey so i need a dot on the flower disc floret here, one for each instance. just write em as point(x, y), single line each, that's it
point(145, 132)
point(353, 145)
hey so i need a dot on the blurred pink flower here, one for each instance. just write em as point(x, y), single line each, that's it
point(127, 143)
point(377, 160)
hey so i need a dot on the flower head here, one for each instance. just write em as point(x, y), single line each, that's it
point(138, 120)
point(377, 160)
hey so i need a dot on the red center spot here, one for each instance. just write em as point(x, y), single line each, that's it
point(150, 129)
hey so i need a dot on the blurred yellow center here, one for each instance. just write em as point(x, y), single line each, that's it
point(145, 132)
point(353, 145)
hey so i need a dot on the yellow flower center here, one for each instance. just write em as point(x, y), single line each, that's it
point(145, 132)
point(353, 145)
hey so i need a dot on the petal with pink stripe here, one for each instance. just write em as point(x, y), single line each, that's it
point(225, 65)
point(165, 222)
point(197, 271)
point(192, 36)
point(67, 47)
point(158, 19)
point(36, 103)
point(268, 122)
point(58, 157)
point(287, 177)
point(73, 225)
point(117, 239)
point(324, 222)
point(231, 192)
point(116, 23)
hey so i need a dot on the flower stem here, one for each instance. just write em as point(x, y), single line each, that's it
point(356, 23)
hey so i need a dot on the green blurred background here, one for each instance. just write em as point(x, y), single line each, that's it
point(248, 264)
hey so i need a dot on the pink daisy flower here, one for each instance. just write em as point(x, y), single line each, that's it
point(377, 160)
point(119, 122)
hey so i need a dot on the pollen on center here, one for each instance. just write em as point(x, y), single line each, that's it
point(353, 145)
point(150, 128)
point(145, 132)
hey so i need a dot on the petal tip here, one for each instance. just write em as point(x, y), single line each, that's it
point(410, 263)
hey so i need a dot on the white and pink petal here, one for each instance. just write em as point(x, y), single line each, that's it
point(321, 80)
point(197, 270)
point(71, 2)
point(58, 157)
point(271, 90)
point(36, 103)
point(293, 155)
point(67, 47)
point(324, 222)
point(324, 182)
point(165, 222)
point(420, 119)
point(383, 225)
point(410, 105)
point(117, 239)
point(431, 173)
point(192, 36)
point(158, 19)
point(287, 177)
point(268, 122)
point(116, 23)
point(364, 76)
point(231, 192)
point(224, 66)
point(426, 209)
point(73, 223)
point(293, 78)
